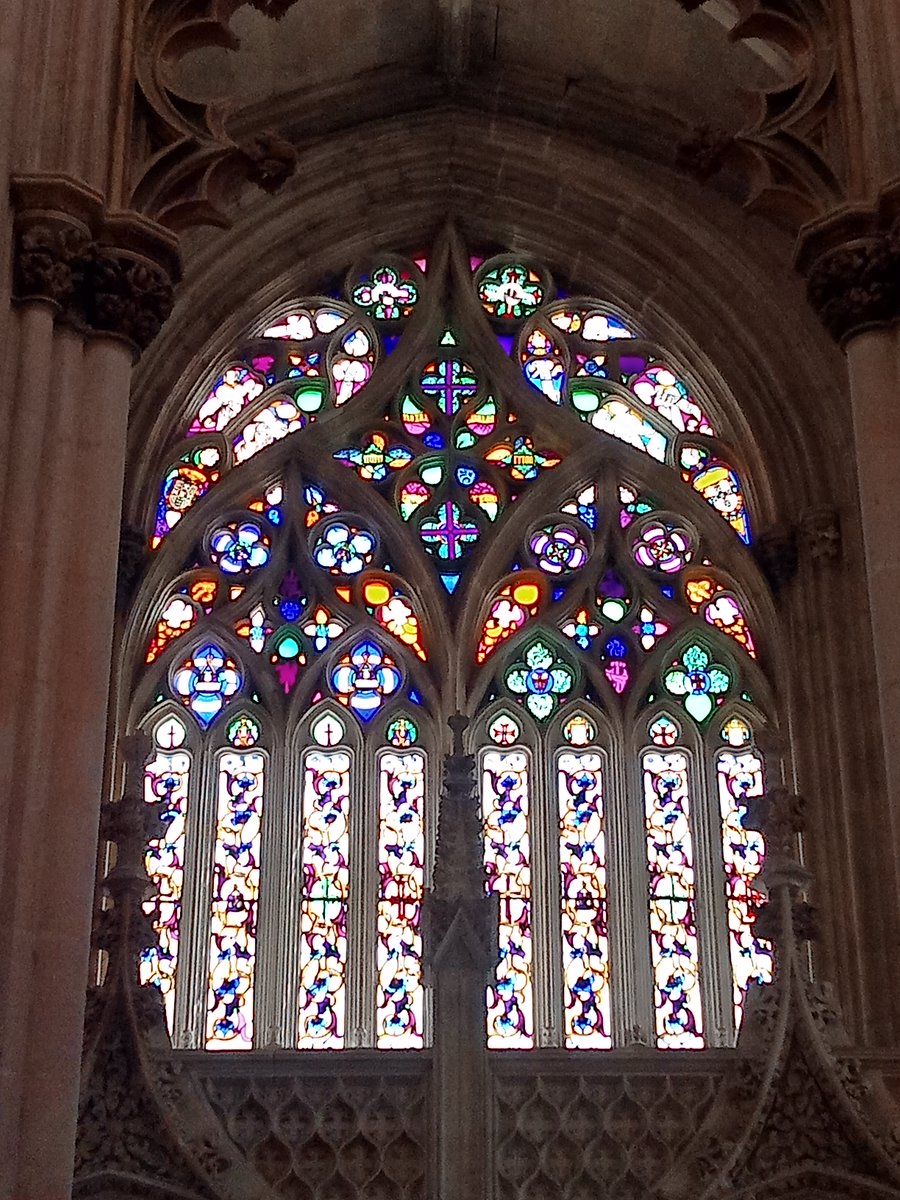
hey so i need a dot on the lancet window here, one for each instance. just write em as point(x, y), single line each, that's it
point(451, 486)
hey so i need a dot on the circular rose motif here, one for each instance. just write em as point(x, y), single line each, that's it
point(344, 549)
point(559, 549)
point(239, 549)
point(662, 547)
point(511, 291)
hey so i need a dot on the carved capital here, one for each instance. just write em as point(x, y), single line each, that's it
point(858, 287)
point(127, 298)
point(109, 274)
point(851, 262)
point(49, 264)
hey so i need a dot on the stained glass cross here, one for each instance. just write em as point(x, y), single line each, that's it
point(450, 382)
point(447, 534)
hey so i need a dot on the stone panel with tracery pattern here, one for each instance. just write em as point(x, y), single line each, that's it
point(342, 1137)
point(566, 1137)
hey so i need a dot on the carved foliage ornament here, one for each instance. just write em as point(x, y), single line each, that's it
point(94, 288)
point(857, 287)
point(104, 273)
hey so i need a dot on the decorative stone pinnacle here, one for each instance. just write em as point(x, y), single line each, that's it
point(458, 724)
point(130, 822)
point(456, 908)
point(778, 814)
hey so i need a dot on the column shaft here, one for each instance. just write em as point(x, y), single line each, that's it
point(874, 366)
point(65, 618)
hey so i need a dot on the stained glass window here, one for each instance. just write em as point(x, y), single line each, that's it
point(582, 864)
point(740, 774)
point(410, 497)
point(166, 784)
point(325, 854)
point(401, 861)
point(235, 901)
point(674, 945)
point(505, 804)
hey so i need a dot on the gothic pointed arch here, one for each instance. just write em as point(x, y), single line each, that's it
point(444, 484)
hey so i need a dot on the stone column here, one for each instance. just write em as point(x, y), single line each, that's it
point(852, 264)
point(91, 293)
point(460, 935)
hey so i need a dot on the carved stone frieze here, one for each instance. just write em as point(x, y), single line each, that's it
point(105, 273)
